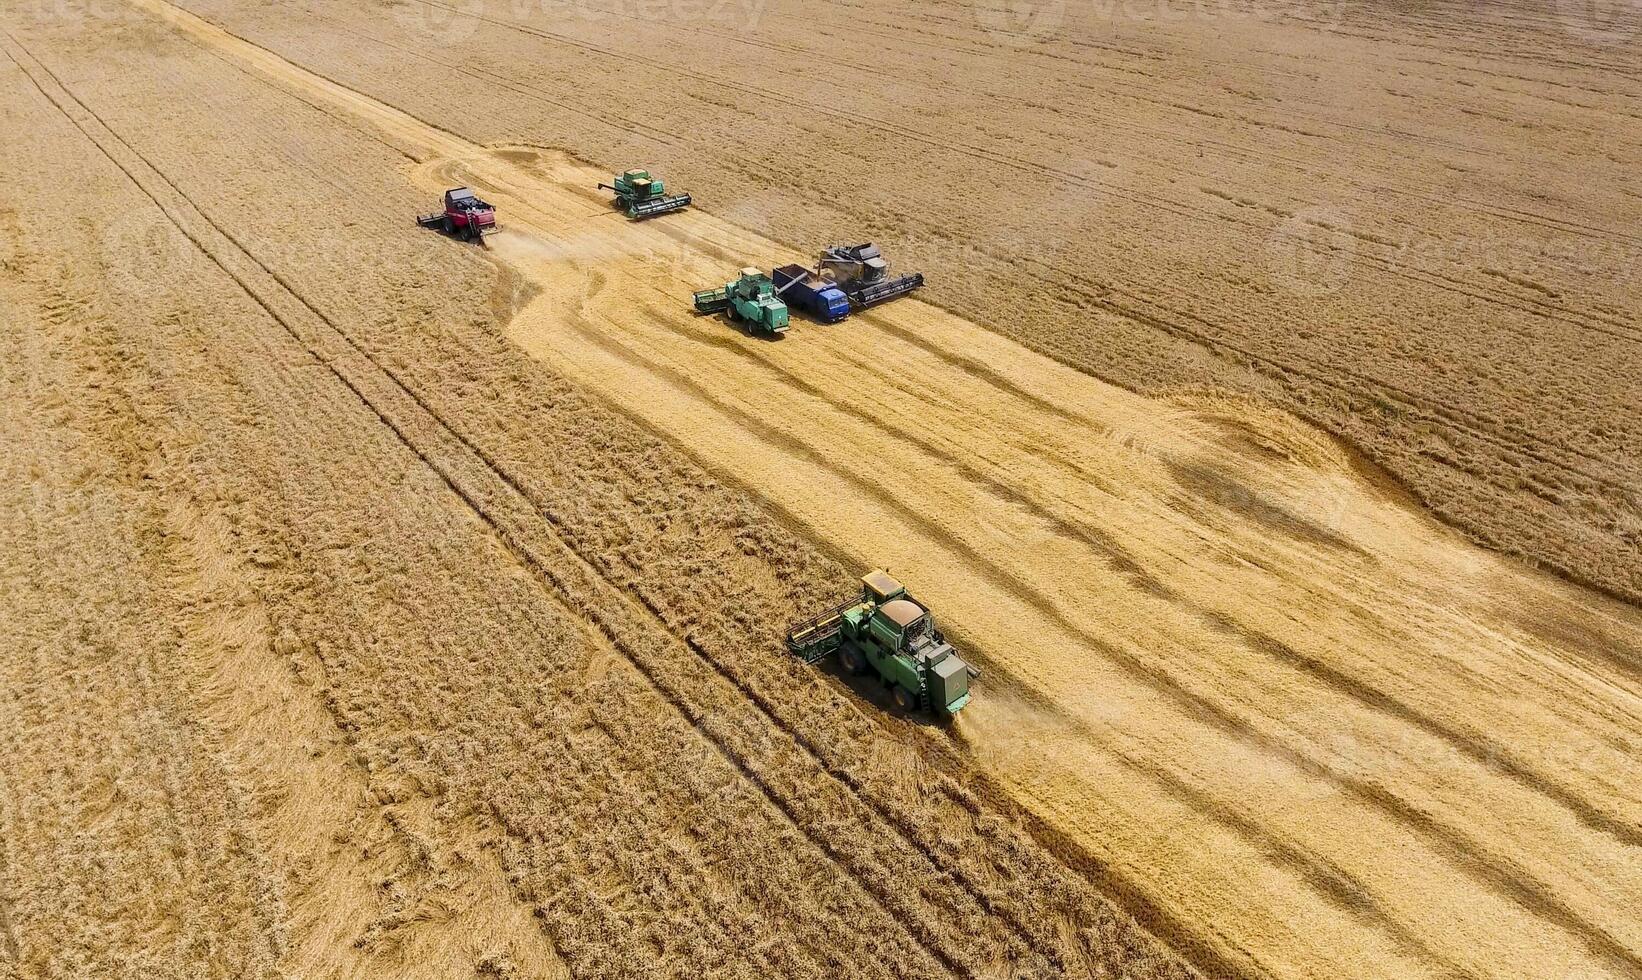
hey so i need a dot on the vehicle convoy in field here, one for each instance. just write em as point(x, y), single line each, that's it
point(751, 299)
point(465, 215)
point(807, 290)
point(644, 196)
point(886, 631)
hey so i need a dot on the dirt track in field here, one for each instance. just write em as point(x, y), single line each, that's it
point(475, 675)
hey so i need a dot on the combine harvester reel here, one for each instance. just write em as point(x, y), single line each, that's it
point(465, 216)
point(643, 196)
point(884, 631)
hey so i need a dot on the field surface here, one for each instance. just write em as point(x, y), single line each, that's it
point(385, 606)
point(1415, 225)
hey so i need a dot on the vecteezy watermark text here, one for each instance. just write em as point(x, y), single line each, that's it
point(457, 20)
point(1024, 22)
point(739, 13)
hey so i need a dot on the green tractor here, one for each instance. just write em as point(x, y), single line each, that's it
point(887, 632)
point(643, 196)
point(751, 299)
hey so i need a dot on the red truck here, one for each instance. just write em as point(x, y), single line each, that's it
point(464, 215)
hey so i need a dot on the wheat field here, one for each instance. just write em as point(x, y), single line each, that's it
point(381, 605)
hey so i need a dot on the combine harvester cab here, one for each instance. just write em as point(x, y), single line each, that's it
point(863, 273)
point(465, 215)
point(805, 289)
point(643, 196)
point(751, 299)
point(887, 632)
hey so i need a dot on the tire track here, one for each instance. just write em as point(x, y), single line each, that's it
point(1336, 886)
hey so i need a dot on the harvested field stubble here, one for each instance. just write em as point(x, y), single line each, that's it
point(423, 599)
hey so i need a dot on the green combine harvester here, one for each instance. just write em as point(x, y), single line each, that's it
point(886, 631)
point(751, 299)
point(643, 196)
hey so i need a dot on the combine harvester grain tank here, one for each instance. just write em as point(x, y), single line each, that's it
point(885, 631)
